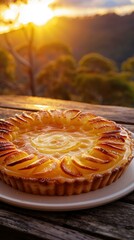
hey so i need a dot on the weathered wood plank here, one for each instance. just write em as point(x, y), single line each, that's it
point(129, 198)
point(112, 221)
point(129, 127)
point(40, 228)
point(6, 113)
point(119, 114)
point(5, 232)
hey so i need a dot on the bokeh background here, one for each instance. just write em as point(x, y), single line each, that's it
point(68, 49)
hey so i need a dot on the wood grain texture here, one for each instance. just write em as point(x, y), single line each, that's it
point(111, 221)
point(119, 114)
point(37, 226)
point(6, 113)
point(129, 198)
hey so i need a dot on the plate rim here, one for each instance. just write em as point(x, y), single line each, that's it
point(25, 203)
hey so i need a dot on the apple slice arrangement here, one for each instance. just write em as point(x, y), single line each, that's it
point(62, 152)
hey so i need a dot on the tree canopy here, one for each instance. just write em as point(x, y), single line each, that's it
point(111, 89)
point(96, 63)
point(7, 72)
point(128, 65)
point(56, 78)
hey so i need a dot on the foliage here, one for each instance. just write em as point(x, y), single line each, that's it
point(96, 63)
point(54, 48)
point(52, 51)
point(24, 48)
point(111, 89)
point(119, 91)
point(94, 79)
point(90, 87)
point(64, 79)
point(7, 72)
point(56, 79)
point(128, 65)
point(52, 71)
point(7, 63)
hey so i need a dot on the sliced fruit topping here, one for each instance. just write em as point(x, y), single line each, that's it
point(7, 153)
point(36, 163)
point(95, 159)
point(5, 145)
point(2, 139)
point(4, 132)
point(112, 137)
point(21, 118)
point(45, 116)
point(72, 114)
point(105, 152)
point(112, 147)
point(45, 167)
point(86, 116)
point(22, 160)
point(6, 148)
point(27, 116)
point(84, 165)
point(5, 124)
point(69, 168)
point(97, 120)
point(14, 156)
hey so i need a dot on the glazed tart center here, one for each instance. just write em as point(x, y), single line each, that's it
point(58, 141)
point(55, 142)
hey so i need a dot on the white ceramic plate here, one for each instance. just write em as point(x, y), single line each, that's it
point(116, 190)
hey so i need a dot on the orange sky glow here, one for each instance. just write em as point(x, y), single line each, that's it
point(40, 12)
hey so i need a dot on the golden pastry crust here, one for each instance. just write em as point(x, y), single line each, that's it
point(62, 152)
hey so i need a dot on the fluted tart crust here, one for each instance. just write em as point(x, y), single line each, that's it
point(62, 152)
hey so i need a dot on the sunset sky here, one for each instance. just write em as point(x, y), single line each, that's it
point(88, 7)
point(41, 11)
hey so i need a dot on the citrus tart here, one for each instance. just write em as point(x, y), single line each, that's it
point(62, 152)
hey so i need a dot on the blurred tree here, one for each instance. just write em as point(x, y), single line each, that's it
point(27, 75)
point(23, 50)
point(128, 68)
point(51, 52)
point(111, 89)
point(96, 63)
point(90, 87)
point(29, 35)
point(119, 91)
point(128, 65)
point(43, 57)
point(56, 78)
point(7, 73)
point(31, 58)
point(54, 50)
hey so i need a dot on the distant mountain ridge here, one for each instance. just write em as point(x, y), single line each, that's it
point(110, 35)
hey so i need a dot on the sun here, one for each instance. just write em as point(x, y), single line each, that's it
point(35, 11)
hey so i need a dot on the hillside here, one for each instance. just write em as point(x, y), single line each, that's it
point(110, 35)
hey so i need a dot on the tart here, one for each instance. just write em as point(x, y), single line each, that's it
point(62, 152)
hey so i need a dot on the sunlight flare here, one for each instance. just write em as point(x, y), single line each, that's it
point(37, 12)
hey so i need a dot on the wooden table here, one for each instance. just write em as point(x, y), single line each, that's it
point(112, 221)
